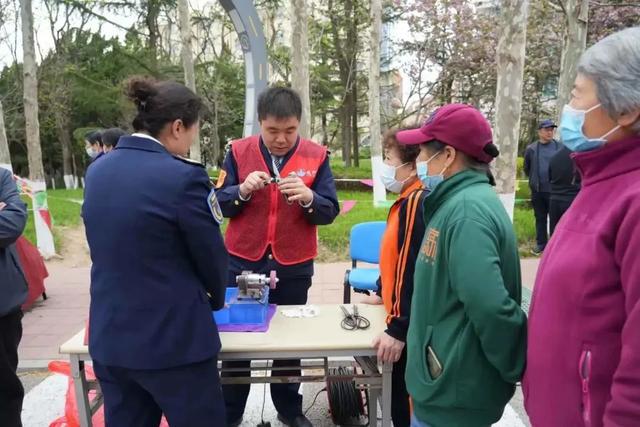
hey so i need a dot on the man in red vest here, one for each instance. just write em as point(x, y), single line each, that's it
point(277, 188)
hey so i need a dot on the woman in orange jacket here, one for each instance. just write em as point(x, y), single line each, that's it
point(398, 254)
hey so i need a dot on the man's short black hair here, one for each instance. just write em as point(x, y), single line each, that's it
point(94, 137)
point(111, 136)
point(279, 102)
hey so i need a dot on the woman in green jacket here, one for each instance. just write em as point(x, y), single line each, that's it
point(466, 341)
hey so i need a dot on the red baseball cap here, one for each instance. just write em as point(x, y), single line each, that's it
point(459, 125)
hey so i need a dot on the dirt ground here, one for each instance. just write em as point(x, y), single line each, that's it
point(74, 250)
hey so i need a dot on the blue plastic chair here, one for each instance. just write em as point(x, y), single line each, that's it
point(364, 244)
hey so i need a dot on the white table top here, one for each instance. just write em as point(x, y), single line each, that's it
point(319, 333)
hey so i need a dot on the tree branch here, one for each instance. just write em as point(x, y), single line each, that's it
point(89, 11)
point(137, 60)
point(600, 4)
point(561, 4)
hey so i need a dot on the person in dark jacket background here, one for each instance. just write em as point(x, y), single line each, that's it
point(152, 336)
point(536, 166)
point(565, 185)
point(13, 293)
point(110, 138)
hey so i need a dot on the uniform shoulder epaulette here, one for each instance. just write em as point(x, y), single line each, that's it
point(189, 161)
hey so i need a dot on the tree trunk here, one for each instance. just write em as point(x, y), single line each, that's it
point(215, 137)
point(44, 236)
point(36, 170)
point(62, 130)
point(325, 135)
point(151, 21)
point(300, 62)
point(342, 58)
point(575, 43)
point(355, 136)
point(74, 167)
point(5, 156)
point(510, 64)
point(345, 120)
point(187, 63)
point(352, 66)
point(379, 194)
point(447, 89)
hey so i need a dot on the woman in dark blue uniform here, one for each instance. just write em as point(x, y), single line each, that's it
point(159, 267)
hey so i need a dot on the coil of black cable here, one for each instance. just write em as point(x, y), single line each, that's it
point(345, 399)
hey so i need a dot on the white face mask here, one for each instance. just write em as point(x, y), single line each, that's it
point(91, 153)
point(388, 176)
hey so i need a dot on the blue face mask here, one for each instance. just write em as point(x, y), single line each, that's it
point(573, 137)
point(429, 182)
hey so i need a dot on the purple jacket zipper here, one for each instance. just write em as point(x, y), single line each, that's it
point(585, 373)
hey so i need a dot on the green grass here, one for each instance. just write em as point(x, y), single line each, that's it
point(64, 208)
point(525, 228)
point(334, 238)
point(340, 171)
point(523, 192)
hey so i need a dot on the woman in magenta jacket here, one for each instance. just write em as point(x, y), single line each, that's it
point(583, 358)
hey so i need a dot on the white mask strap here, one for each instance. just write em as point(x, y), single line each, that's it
point(592, 108)
point(610, 132)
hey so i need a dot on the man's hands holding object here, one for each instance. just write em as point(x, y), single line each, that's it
point(295, 190)
point(292, 186)
point(255, 181)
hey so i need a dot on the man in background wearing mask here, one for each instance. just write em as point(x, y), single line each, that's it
point(93, 145)
point(537, 158)
point(398, 254)
point(277, 188)
point(13, 293)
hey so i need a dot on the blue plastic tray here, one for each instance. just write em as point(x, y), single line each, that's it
point(240, 312)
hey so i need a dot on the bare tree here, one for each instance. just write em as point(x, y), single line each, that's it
point(510, 61)
point(379, 194)
point(300, 62)
point(346, 51)
point(576, 13)
point(36, 169)
point(5, 156)
point(58, 87)
point(187, 63)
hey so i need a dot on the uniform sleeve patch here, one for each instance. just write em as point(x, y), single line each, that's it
point(214, 206)
point(221, 178)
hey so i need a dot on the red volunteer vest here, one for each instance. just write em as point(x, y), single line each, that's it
point(269, 220)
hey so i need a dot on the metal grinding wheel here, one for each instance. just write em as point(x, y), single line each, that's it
point(273, 280)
